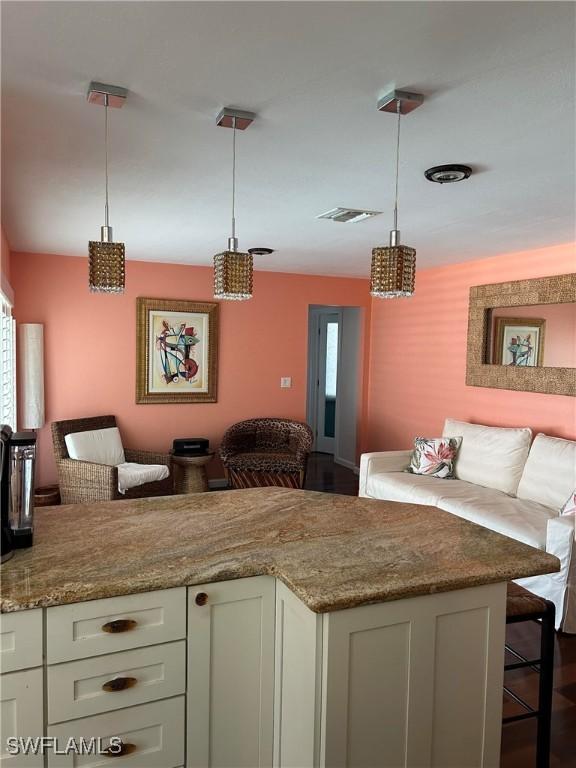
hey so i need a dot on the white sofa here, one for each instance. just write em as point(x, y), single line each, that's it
point(505, 482)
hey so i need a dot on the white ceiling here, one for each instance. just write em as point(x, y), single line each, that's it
point(499, 82)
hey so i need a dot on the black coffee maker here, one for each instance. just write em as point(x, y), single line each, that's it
point(18, 460)
point(7, 544)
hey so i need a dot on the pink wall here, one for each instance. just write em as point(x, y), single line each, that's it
point(418, 356)
point(90, 358)
point(560, 330)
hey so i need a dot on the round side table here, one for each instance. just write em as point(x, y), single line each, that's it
point(190, 473)
point(47, 496)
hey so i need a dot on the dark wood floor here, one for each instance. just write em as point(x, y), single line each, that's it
point(323, 474)
point(518, 739)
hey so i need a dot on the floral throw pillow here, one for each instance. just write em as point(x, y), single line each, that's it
point(570, 507)
point(434, 456)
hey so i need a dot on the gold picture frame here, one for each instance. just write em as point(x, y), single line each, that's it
point(527, 342)
point(176, 351)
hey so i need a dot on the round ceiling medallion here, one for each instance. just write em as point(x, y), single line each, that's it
point(448, 174)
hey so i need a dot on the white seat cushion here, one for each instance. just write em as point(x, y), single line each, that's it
point(101, 446)
point(493, 457)
point(131, 475)
point(549, 476)
point(523, 520)
point(403, 486)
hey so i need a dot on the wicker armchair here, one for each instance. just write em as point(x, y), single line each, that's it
point(87, 481)
point(262, 452)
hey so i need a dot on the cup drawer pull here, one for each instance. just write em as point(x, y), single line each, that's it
point(119, 750)
point(119, 625)
point(119, 684)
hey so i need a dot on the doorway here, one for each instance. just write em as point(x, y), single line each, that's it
point(333, 380)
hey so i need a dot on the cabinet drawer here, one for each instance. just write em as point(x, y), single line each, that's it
point(20, 640)
point(21, 702)
point(96, 627)
point(91, 686)
point(154, 732)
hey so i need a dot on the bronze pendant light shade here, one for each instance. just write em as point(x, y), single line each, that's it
point(233, 275)
point(233, 269)
point(393, 269)
point(106, 267)
point(106, 259)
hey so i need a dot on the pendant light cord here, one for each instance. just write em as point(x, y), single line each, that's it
point(106, 155)
point(398, 108)
point(233, 177)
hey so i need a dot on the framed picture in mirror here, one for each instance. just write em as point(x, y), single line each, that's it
point(519, 341)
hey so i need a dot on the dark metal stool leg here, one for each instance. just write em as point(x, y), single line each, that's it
point(522, 605)
point(546, 685)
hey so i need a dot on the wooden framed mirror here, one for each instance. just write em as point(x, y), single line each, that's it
point(522, 335)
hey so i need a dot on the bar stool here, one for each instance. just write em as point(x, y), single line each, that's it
point(522, 605)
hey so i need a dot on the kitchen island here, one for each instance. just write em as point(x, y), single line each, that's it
point(263, 627)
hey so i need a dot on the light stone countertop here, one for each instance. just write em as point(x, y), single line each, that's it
point(333, 552)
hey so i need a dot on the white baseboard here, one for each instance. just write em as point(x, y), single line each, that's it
point(218, 484)
point(347, 464)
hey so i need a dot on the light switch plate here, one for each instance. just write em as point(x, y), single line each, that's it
point(286, 382)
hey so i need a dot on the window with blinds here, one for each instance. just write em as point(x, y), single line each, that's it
point(7, 364)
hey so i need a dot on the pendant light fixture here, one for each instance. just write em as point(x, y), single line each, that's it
point(394, 266)
point(233, 268)
point(106, 258)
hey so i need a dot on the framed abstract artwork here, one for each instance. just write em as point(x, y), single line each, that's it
point(176, 351)
point(519, 341)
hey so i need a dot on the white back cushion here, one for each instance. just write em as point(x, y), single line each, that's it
point(549, 476)
point(493, 457)
point(102, 446)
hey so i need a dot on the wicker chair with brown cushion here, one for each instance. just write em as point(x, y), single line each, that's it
point(263, 452)
point(87, 481)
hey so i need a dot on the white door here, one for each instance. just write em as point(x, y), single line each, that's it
point(326, 382)
point(231, 674)
point(21, 701)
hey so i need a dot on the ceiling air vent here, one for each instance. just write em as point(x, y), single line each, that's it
point(348, 215)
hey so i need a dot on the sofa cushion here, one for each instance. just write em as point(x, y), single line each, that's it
point(523, 520)
point(412, 489)
point(255, 461)
point(493, 457)
point(131, 475)
point(549, 476)
point(101, 446)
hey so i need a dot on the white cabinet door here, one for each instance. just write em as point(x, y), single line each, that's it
point(20, 640)
point(415, 682)
point(21, 717)
point(231, 673)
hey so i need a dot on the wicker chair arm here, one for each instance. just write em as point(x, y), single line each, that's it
point(147, 457)
point(86, 481)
